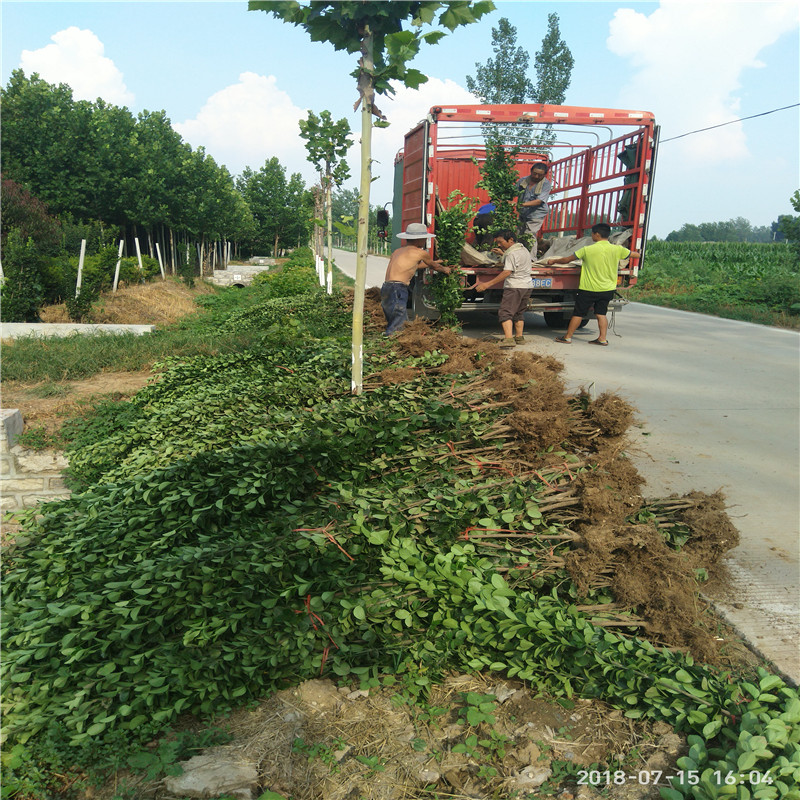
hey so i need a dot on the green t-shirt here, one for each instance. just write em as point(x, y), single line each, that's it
point(600, 263)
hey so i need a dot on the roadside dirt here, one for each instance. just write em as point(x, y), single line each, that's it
point(66, 399)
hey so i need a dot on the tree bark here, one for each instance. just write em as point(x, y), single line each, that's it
point(330, 235)
point(366, 87)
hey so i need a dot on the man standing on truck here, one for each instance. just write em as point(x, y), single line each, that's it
point(600, 264)
point(403, 265)
point(516, 280)
point(532, 206)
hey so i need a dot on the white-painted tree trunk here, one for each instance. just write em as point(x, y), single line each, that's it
point(119, 261)
point(161, 263)
point(330, 235)
point(80, 268)
point(139, 256)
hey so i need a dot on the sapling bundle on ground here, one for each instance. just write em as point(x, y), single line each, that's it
point(341, 534)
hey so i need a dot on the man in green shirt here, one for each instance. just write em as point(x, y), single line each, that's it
point(599, 267)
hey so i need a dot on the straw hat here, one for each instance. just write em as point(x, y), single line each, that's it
point(416, 230)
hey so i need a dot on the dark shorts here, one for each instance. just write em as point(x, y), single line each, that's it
point(585, 300)
point(513, 304)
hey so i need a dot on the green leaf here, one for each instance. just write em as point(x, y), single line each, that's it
point(746, 761)
point(378, 537)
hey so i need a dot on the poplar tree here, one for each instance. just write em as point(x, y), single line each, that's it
point(503, 80)
point(327, 143)
point(375, 30)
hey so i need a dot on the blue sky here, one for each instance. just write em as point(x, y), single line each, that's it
point(237, 81)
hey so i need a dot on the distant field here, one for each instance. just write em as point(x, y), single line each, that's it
point(736, 280)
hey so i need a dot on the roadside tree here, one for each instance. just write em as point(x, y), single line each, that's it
point(375, 30)
point(788, 225)
point(503, 79)
point(327, 143)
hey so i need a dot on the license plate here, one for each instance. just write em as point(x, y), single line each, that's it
point(542, 283)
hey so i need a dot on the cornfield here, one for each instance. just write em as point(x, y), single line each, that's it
point(739, 280)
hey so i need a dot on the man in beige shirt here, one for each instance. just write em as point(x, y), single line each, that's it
point(516, 280)
point(403, 265)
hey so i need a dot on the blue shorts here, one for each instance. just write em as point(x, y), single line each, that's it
point(394, 302)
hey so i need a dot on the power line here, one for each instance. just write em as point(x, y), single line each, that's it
point(721, 125)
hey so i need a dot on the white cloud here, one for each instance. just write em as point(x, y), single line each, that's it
point(687, 60)
point(253, 120)
point(404, 110)
point(77, 58)
point(247, 123)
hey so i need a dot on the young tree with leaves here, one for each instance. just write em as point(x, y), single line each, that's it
point(375, 30)
point(503, 79)
point(327, 143)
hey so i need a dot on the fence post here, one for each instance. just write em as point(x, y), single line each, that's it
point(139, 256)
point(80, 268)
point(119, 261)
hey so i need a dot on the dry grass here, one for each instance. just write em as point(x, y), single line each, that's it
point(155, 303)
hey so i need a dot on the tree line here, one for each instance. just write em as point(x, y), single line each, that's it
point(74, 170)
point(97, 161)
point(732, 230)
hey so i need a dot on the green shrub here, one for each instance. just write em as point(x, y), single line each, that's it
point(22, 293)
point(302, 257)
point(291, 279)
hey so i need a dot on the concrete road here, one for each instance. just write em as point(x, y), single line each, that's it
point(719, 408)
point(376, 266)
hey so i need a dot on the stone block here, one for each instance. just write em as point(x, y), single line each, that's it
point(23, 485)
point(31, 500)
point(10, 428)
point(213, 774)
point(39, 461)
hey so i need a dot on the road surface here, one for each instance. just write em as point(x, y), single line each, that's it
point(718, 409)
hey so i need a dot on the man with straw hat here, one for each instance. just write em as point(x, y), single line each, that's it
point(403, 265)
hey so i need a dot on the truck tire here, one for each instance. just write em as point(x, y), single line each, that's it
point(417, 306)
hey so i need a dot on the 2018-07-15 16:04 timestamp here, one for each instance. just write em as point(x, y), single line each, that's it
point(681, 777)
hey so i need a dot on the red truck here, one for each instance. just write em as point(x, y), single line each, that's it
point(601, 165)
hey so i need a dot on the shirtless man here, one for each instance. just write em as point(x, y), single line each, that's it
point(403, 265)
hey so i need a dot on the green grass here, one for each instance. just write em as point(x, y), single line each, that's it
point(736, 280)
point(82, 355)
point(34, 359)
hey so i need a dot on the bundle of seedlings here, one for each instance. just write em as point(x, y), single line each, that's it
point(451, 516)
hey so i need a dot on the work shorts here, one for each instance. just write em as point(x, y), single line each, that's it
point(585, 300)
point(513, 304)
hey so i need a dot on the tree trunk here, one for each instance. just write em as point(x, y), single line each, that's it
point(357, 382)
point(330, 234)
point(319, 210)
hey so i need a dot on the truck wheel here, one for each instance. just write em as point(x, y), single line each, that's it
point(417, 306)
